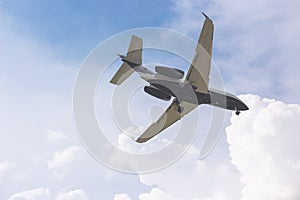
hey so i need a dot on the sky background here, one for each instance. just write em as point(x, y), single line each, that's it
point(43, 43)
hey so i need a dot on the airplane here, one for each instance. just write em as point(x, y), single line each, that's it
point(188, 92)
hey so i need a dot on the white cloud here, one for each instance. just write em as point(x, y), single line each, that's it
point(62, 158)
point(121, 197)
point(45, 194)
point(55, 136)
point(263, 150)
point(35, 194)
point(126, 142)
point(73, 195)
point(264, 143)
point(156, 194)
point(189, 178)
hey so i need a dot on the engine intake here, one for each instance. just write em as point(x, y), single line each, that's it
point(157, 93)
point(169, 72)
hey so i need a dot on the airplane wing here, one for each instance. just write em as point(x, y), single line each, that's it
point(198, 74)
point(134, 55)
point(169, 117)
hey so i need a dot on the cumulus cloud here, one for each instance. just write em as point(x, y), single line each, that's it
point(263, 153)
point(64, 157)
point(121, 197)
point(264, 148)
point(156, 194)
point(73, 195)
point(197, 178)
point(35, 194)
point(190, 178)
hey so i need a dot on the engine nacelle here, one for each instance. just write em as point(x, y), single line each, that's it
point(157, 93)
point(169, 72)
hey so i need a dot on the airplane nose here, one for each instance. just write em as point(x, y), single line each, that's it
point(243, 106)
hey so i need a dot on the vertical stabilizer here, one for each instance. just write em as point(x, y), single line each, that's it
point(132, 59)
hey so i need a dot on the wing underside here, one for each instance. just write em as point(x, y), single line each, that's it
point(169, 117)
point(198, 74)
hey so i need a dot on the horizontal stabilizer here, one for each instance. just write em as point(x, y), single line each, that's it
point(122, 74)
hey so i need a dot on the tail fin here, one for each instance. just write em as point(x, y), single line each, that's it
point(132, 59)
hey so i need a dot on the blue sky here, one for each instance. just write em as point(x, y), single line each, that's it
point(43, 44)
point(74, 28)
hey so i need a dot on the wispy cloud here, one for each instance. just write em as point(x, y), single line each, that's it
point(62, 158)
point(256, 43)
point(55, 136)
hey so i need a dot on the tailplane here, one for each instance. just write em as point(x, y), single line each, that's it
point(131, 60)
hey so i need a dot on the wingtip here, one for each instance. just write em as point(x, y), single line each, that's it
point(205, 15)
point(141, 140)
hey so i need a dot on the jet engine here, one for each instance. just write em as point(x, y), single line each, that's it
point(169, 72)
point(157, 93)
